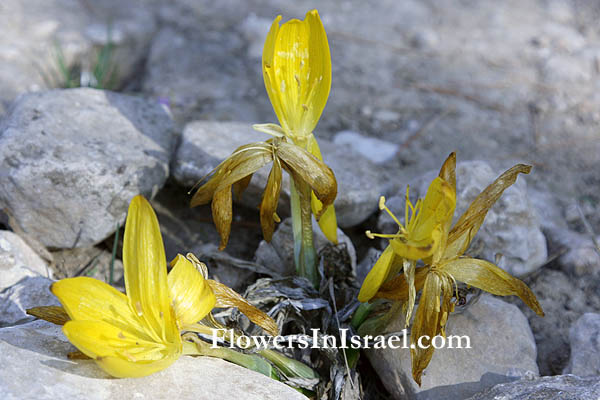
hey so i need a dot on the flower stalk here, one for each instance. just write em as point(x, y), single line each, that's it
point(305, 256)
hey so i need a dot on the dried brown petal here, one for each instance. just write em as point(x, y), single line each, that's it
point(448, 170)
point(487, 276)
point(469, 223)
point(240, 186)
point(55, 314)
point(303, 166)
point(222, 214)
point(397, 288)
point(227, 297)
point(270, 198)
point(77, 355)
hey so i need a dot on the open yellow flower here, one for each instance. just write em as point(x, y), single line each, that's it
point(296, 66)
point(136, 334)
point(447, 265)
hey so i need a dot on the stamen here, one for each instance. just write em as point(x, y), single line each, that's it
point(372, 235)
point(382, 206)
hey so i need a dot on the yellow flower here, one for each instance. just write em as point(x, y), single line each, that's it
point(419, 238)
point(296, 67)
point(447, 265)
point(297, 71)
point(136, 334)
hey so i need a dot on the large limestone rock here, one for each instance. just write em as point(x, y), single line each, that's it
point(205, 144)
point(502, 349)
point(27, 293)
point(35, 365)
point(71, 161)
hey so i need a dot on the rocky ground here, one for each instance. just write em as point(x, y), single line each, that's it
point(498, 82)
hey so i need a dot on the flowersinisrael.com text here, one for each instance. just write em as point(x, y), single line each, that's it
point(346, 340)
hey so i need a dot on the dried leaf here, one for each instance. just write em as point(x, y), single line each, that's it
point(55, 314)
point(222, 214)
point(270, 198)
point(487, 276)
point(469, 223)
point(227, 297)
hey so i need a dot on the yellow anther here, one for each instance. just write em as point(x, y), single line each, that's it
point(370, 235)
point(382, 203)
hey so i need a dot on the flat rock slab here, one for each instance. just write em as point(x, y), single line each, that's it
point(71, 161)
point(35, 365)
point(585, 346)
point(560, 387)
point(502, 350)
point(205, 144)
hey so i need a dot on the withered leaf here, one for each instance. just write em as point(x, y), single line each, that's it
point(55, 314)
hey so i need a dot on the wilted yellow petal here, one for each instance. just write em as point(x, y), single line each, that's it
point(327, 219)
point(270, 199)
point(297, 72)
point(397, 287)
point(487, 276)
point(145, 270)
point(227, 297)
point(377, 275)
point(191, 295)
point(118, 352)
point(469, 223)
point(244, 161)
point(303, 166)
point(222, 213)
point(54, 314)
point(426, 323)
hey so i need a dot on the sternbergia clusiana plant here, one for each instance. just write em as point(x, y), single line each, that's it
point(427, 236)
point(297, 72)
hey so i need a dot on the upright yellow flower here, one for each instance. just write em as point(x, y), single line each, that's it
point(136, 334)
point(296, 67)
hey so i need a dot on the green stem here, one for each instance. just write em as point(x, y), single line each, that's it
point(305, 255)
point(289, 366)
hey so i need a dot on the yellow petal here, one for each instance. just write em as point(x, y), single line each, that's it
point(227, 297)
point(222, 213)
point(415, 250)
point(469, 223)
point(297, 72)
point(118, 352)
point(448, 170)
point(487, 276)
point(327, 219)
point(270, 199)
point(88, 299)
point(437, 211)
point(377, 275)
point(145, 270)
point(191, 295)
point(303, 166)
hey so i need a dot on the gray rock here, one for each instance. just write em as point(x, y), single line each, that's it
point(585, 346)
point(376, 150)
point(71, 161)
point(564, 298)
point(18, 260)
point(278, 255)
point(205, 144)
point(27, 293)
point(88, 261)
point(502, 349)
point(35, 32)
point(511, 227)
point(41, 349)
point(560, 387)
